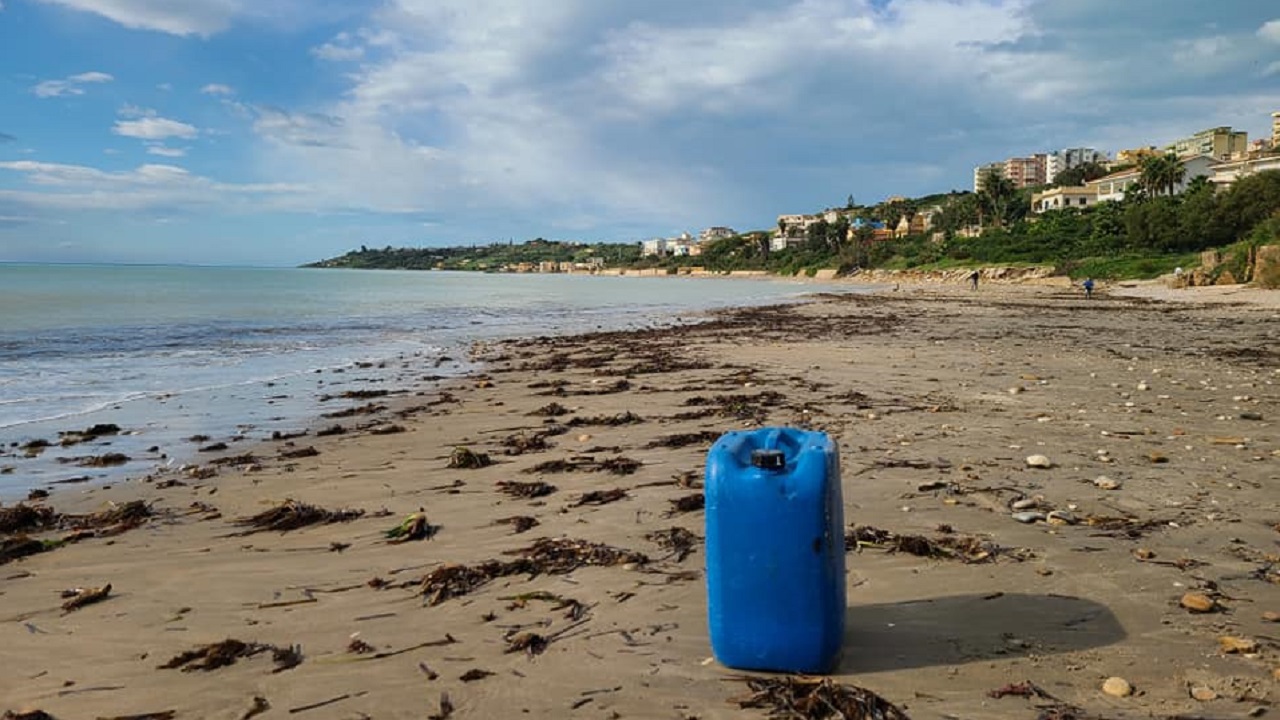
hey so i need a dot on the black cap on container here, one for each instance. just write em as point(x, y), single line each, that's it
point(768, 459)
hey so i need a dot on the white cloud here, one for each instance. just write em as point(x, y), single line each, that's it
point(217, 89)
point(1270, 30)
point(164, 151)
point(154, 128)
point(177, 17)
point(70, 85)
point(164, 87)
point(341, 49)
point(150, 186)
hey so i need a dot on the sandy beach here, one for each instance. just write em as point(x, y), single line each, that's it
point(1144, 544)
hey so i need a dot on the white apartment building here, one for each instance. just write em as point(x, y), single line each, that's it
point(1067, 158)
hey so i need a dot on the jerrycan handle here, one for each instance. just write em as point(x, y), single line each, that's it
point(768, 459)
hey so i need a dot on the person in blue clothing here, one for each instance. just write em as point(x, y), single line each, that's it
point(1088, 287)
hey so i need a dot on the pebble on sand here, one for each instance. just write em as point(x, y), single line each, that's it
point(1203, 693)
point(1103, 482)
point(1117, 687)
point(1231, 645)
point(1199, 603)
point(1039, 461)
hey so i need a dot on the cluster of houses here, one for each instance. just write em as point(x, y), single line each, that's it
point(1221, 155)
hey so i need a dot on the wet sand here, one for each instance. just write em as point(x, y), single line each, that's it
point(937, 397)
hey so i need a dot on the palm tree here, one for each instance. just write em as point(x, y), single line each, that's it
point(997, 191)
point(1161, 174)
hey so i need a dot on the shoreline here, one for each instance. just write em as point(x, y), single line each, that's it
point(918, 386)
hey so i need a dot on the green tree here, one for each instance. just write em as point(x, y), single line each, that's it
point(994, 198)
point(1079, 175)
point(1161, 174)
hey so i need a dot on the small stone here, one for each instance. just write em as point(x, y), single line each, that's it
point(1275, 674)
point(1024, 504)
point(1039, 461)
point(1271, 616)
point(1015, 391)
point(1143, 386)
point(1103, 482)
point(1028, 517)
point(1157, 458)
point(1044, 572)
point(1199, 603)
point(1250, 416)
point(1203, 693)
point(1232, 645)
point(583, 437)
point(1061, 517)
point(1117, 687)
point(1144, 554)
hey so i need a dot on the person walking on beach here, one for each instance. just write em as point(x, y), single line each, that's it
point(973, 280)
point(1088, 288)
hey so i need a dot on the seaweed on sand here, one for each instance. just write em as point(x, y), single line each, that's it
point(116, 518)
point(467, 459)
point(675, 539)
point(804, 698)
point(688, 503)
point(965, 548)
point(20, 546)
point(227, 652)
point(679, 440)
point(291, 515)
point(518, 523)
point(553, 409)
point(23, 518)
point(529, 490)
point(414, 527)
point(558, 556)
point(587, 463)
point(625, 418)
point(600, 497)
point(521, 443)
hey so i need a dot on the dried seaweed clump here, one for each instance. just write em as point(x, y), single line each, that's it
point(626, 418)
point(521, 443)
point(816, 699)
point(227, 652)
point(116, 518)
point(966, 549)
point(527, 490)
point(679, 440)
point(688, 503)
point(558, 556)
point(600, 497)
point(20, 546)
point(554, 409)
point(678, 540)
point(466, 459)
point(24, 518)
point(518, 523)
point(587, 463)
point(291, 515)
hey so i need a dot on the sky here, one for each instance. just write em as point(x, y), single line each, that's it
point(278, 132)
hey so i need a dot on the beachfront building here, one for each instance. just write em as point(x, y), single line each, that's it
point(1134, 156)
point(655, 246)
point(712, 234)
point(796, 225)
point(778, 243)
point(919, 223)
point(1067, 158)
point(1220, 143)
point(980, 174)
point(1060, 198)
point(1027, 171)
point(1113, 187)
point(1225, 174)
point(1275, 130)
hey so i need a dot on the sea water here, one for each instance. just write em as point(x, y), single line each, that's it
point(174, 353)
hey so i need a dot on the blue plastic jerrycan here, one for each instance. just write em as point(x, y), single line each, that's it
point(775, 551)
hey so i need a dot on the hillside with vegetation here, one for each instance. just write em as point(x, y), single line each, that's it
point(1148, 234)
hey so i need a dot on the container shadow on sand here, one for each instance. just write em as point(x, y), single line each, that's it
point(971, 628)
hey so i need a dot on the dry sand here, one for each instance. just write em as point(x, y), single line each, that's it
point(936, 395)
